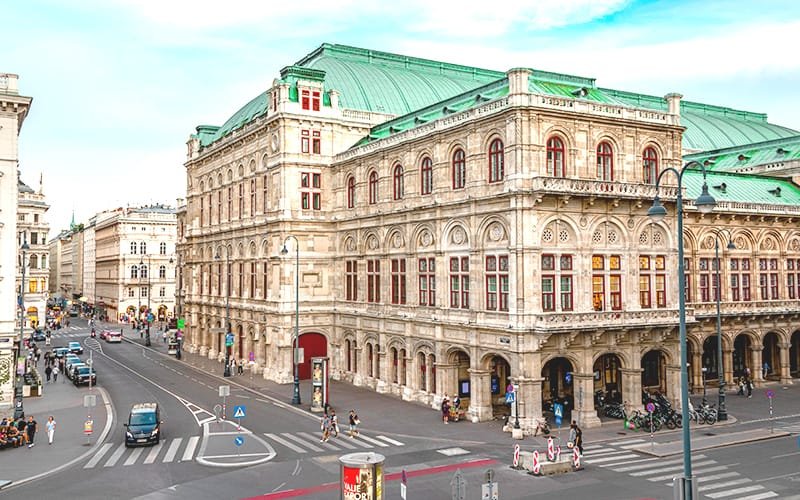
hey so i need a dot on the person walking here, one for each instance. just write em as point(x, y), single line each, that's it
point(445, 409)
point(765, 370)
point(354, 422)
point(61, 367)
point(749, 384)
point(325, 427)
point(334, 423)
point(48, 372)
point(31, 429)
point(575, 437)
point(241, 367)
point(55, 374)
point(51, 429)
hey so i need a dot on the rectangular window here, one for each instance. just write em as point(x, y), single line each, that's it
point(304, 141)
point(229, 206)
point(459, 282)
point(202, 211)
point(773, 286)
point(264, 194)
point(704, 280)
point(315, 101)
point(687, 280)
point(548, 293)
point(144, 291)
point(219, 206)
point(651, 272)
point(661, 290)
point(566, 292)
point(305, 99)
point(497, 283)
point(252, 196)
point(598, 292)
point(162, 292)
point(316, 146)
point(240, 280)
point(241, 200)
point(427, 281)
point(265, 281)
point(562, 275)
point(601, 276)
point(253, 275)
point(398, 281)
point(793, 278)
point(351, 280)
point(311, 190)
point(373, 280)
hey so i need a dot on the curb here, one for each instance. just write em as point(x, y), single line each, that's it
point(695, 447)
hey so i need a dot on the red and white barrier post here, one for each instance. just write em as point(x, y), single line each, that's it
point(550, 449)
point(537, 467)
point(576, 458)
point(515, 462)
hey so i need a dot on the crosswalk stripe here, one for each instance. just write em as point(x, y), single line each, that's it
point(609, 459)
point(173, 450)
point(98, 456)
point(190, 446)
point(716, 486)
point(663, 462)
point(326, 444)
point(374, 441)
point(363, 444)
point(595, 451)
point(151, 457)
point(343, 442)
point(312, 447)
point(737, 491)
point(760, 496)
point(698, 471)
point(631, 446)
point(389, 440)
point(650, 472)
point(717, 476)
point(629, 441)
point(115, 456)
point(593, 446)
point(285, 443)
point(133, 457)
point(628, 461)
point(609, 453)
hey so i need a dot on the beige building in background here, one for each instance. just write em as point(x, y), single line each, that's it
point(33, 229)
point(13, 111)
point(460, 229)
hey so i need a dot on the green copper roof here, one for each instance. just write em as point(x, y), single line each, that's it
point(746, 188)
point(257, 107)
point(749, 155)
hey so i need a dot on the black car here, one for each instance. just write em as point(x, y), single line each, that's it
point(144, 425)
point(39, 336)
point(83, 374)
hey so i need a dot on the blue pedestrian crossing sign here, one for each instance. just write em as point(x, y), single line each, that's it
point(558, 410)
point(229, 340)
point(238, 440)
point(511, 397)
point(238, 411)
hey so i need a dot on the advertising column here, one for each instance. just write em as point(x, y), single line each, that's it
point(319, 384)
point(361, 476)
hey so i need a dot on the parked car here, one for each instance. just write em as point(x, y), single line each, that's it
point(83, 374)
point(60, 352)
point(75, 347)
point(104, 333)
point(144, 425)
point(71, 359)
point(72, 370)
point(39, 336)
point(114, 336)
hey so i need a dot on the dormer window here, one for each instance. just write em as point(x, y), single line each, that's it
point(309, 100)
point(776, 192)
point(723, 188)
point(781, 151)
point(581, 92)
point(743, 157)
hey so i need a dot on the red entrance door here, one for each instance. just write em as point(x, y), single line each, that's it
point(313, 345)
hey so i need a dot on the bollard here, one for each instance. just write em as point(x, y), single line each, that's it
point(550, 449)
point(558, 453)
point(576, 459)
point(537, 467)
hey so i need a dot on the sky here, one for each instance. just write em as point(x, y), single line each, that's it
point(118, 85)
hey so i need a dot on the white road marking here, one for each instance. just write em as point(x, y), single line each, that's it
point(151, 457)
point(664, 469)
point(663, 462)
point(238, 455)
point(115, 457)
point(610, 459)
point(344, 443)
point(699, 471)
point(172, 450)
point(326, 444)
point(737, 491)
point(716, 476)
point(98, 456)
point(716, 486)
point(285, 443)
point(389, 440)
point(358, 441)
point(312, 447)
point(190, 446)
point(374, 441)
point(133, 457)
point(760, 496)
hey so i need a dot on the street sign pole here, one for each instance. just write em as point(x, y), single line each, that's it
point(770, 395)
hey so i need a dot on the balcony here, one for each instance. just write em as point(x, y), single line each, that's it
point(752, 308)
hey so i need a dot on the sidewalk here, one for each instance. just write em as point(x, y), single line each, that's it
point(63, 401)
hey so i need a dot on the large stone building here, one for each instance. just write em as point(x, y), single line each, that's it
point(13, 110)
point(62, 277)
point(32, 229)
point(459, 228)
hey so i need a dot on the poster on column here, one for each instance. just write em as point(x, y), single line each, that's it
point(319, 383)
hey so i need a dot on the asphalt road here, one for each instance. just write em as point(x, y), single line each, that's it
point(280, 449)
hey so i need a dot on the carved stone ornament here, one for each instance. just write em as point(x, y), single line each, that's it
point(794, 245)
point(350, 245)
point(496, 232)
point(768, 244)
point(741, 243)
point(583, 221)
point(631, 223)
point(397, 240)
point(372, 242)
point(425, 239)
point(708, 243)
point(275, 143)
point(458, 236)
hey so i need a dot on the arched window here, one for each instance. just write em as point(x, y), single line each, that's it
point(33, 262)
point(650, 166)
point(133, 247)
point(143, 271)
point(426, 176)
point(142, 247)
point(44, 262)
point(134, 271)
point(373, 187)
point(496, 166)
point(605, 162)
point(555, 157)
point(162, 271)
point(162, 248)
point(397, 182)
point(351, 192)
point(459, 169)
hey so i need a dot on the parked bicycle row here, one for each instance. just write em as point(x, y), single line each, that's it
point(659, 414)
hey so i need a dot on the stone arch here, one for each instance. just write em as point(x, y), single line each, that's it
point(395, 240)
point(423, 346)
point(569, 356)
point(608, 234)
point(491, 135)
point(743, 342)
point(651, 142)
point(610, 137)
point(239, 250)
point(486, 359)
point(264, 246)
point(668, 355)
point(770, 241)
point(553, 232)
point(219, 180)
point(744, 239)
point(420, 155)
point(452, 147)
point(229, 175)
point(350, 244)
point(251, 166)
point(607, 368)
point(422, 238)
point(793, 242)
point(456, 235)
point(251, 249)
point(240, 171)
point(654, 363)
point(557, 387)
point(562, 133)
point(653, 236)
point(372, 241)
point(493, 232)
point(623, 357)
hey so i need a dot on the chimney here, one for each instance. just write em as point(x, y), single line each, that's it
point(518, 80)
point(673, 103)
point(334, 95)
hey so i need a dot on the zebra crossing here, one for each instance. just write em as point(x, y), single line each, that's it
point(715, 480)
point(126, 457)
point(306, 442)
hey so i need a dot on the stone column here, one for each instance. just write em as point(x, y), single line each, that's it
point(755, 365)
point(632, 387)
point(696, 371)
point(786, 377)
point(674, 385)
point(480, 403)
point(584, 411)
point(382, 373)
point(448, 375)
point(358, 365)
point(408, 378)
point(727, 354)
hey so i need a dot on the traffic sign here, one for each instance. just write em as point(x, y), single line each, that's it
point(224, 390)
point(238, 411)
point(650, 407)
point(238, 440)
point(89, 400)
point(228, 340)
point(558, 421)
point(87, 427)
point(558, 410)
point(770, 394)
point(181, 323)
point(511, 397)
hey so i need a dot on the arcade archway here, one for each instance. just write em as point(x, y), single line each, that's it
point(608, 377)
point(770, 356)
point(313, 345)
point(654, 372)
point(557, 385)
point(741, 358)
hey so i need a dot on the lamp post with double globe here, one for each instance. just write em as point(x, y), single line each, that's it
point(296, 336)
point(723, 412)
point(226, 371)
point(704, 203)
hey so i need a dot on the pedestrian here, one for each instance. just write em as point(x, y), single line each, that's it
point(164, 336)
point(575, 437)
point(765, 370)
point(741, 387)
point(354, 422)
point(241, 367)
point(232, 366)
point(31, 429)
point(445, 409)
point(325, 427)
point(48, 372)
point(55, 374)
point(51, 429)
point(334, 423)
point(749, 383)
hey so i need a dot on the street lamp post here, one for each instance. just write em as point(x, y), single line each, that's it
point(723, 412)
point(296, 337)
point(19, 411)
point(226, 371)
point(705, 203)
point(147, 312)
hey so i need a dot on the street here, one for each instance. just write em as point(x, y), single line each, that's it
point(280, 454)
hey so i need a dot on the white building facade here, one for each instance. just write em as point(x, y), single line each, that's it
point(32, 228)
